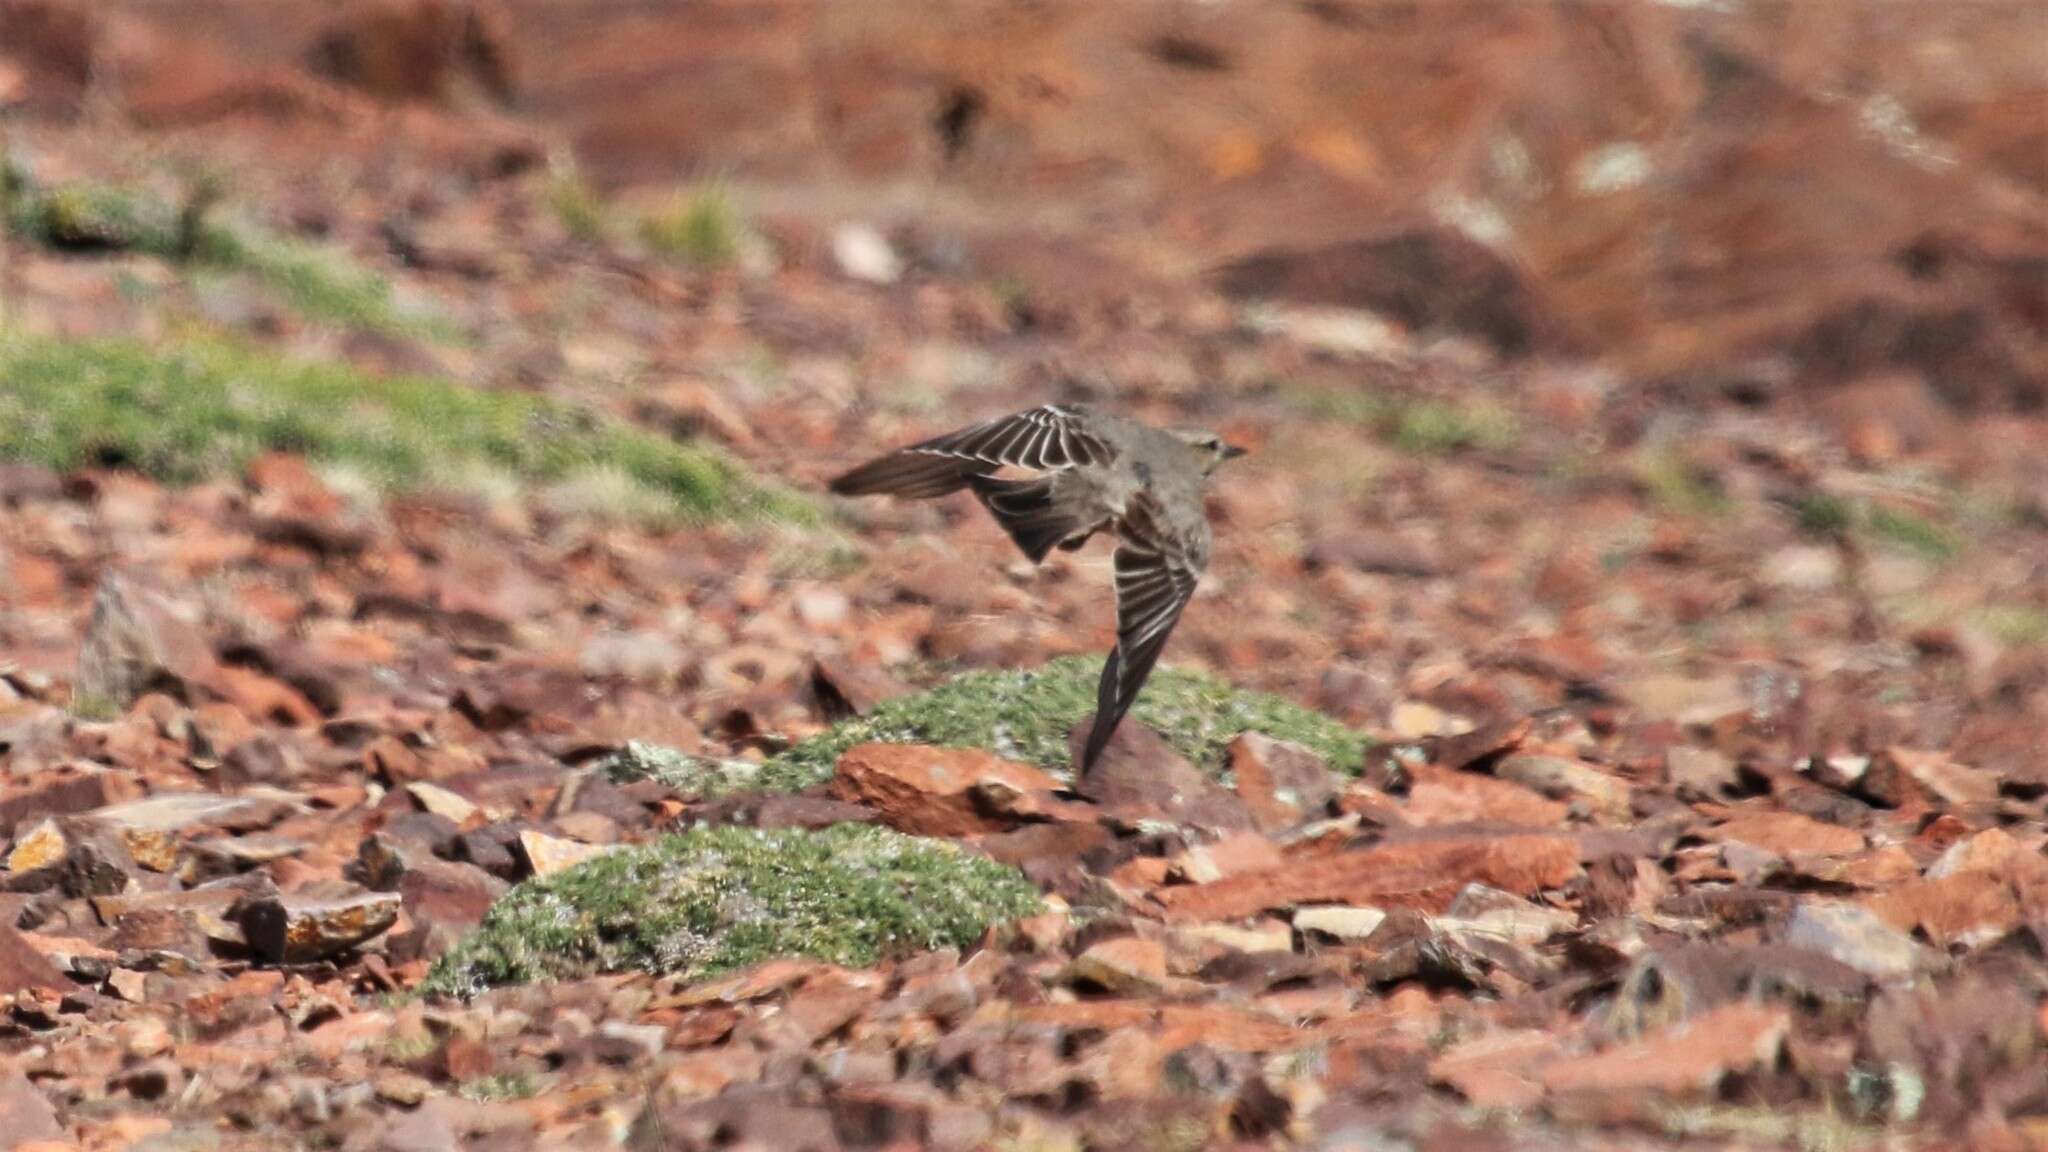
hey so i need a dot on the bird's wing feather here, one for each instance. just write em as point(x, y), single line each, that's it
point(1156, 573)
point(1048, 438)
point(1032, 513)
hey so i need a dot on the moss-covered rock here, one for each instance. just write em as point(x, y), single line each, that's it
point(688, 774)
point(197, 409)
point(715, 899)
point(1026, 716)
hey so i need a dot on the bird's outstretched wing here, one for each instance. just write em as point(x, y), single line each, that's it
point(1050, 438)
point(1156, 573)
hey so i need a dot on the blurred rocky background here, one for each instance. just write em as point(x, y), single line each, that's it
point(1614, 716)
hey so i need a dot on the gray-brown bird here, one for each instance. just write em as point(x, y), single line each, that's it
point(1090, 470)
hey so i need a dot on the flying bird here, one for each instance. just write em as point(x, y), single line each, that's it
point(1085, 471)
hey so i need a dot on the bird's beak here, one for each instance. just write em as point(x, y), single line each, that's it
point(1232, 451)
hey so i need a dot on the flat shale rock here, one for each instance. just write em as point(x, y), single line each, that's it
point(1418, 873)
point(292, 930)
point(931, 791)
point(1139, 774)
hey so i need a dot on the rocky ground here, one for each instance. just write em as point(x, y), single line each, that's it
point(438, 708)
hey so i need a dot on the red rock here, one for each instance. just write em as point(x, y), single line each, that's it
point(1955, 785)
point(543, 855)
point(1686, 1060)
point(1789, 834)
point(60, 795)
point(139, 641)
point(1223, 1027)
point(1126, 966)
point(1486, 742)
point(23, 966)
point(1879, 868)
point(33, 1124)
point(1233, 855)
point(1282, 783)
point(1967, 908)
point(1138, 774)
point(266, 699)
point(929, 791)
point(1427, 276)
point(1992, 850)
point(293, 506)
point(1145, 872)
point(1599, 793)
point(294, 931)
point(446, 894)
point(844, 688)
point(419, 50)
point(1420, 873)
point(1438, 797)
point(1497, 1070)
point(392, 762)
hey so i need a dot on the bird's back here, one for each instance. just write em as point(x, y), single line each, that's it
point(1161, 466)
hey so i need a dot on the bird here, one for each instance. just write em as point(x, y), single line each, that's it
point(1085, 471)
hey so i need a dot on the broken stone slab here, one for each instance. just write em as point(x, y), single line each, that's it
point(930, 791)
point(544, 855)
point(92, 860)
point(404, 842)
point(80, 959)
point(1496, 1070)
point(1957, 785)
point(1856, 936)
point(138, 641)
point(153, 828)
point(442, 802)
point(1268, 935)
point(1490, 913)
point(1125, 966)
point(216, 897)
point(294, 930)
point(67, 794)
point(1138, 773)
point(1439, 796)
point(1604, 796)
point(95, 853)
point(1788, 834)
point(844, 688)
point(1281, 782)
point(1688, 1059)
point(23, 966)
point(1345, 923)
point(31, 1118)
point(43, 845)
point(1423, 872)
point(1235, 854)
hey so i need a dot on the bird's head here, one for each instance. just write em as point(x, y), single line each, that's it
point(1209, 447)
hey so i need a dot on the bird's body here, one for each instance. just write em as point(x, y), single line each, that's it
point(1087, 471)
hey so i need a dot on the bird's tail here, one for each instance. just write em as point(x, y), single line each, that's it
point(914, 475)
point(1109, 707)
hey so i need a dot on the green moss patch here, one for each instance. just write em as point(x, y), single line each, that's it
point(202, 409)
point(1424, 427)
point(701, 228)
point(713, 900)
point(320, 284)
point(1832, 517)
point(1026, 716)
